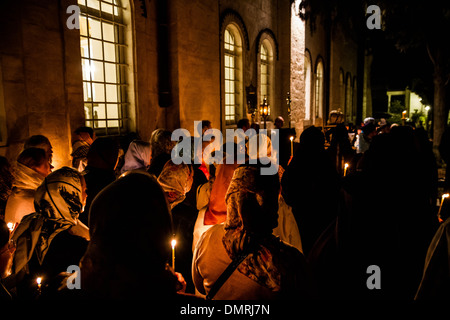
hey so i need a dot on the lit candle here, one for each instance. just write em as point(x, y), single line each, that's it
point(174, 243)
point(39, 283)
point(404, 114)
point(444, 196)
point(345, 169)
point(10, 226)
point(292, 145)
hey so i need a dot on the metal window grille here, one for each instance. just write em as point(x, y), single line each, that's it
point(104, 65)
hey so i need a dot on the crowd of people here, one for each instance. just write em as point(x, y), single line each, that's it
point(312, 231)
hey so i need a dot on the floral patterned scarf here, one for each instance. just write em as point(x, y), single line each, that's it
point(260, 264)
point(176, 180)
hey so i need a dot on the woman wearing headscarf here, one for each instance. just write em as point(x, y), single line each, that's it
point(161, 145)
point(102, 160)
point(211, 195)
point(31, 168)
point(131, 232)
point(176, 181)
point(138, 156)
point(269, 268)
point(52, 238)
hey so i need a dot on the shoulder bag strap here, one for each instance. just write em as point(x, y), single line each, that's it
point(226, 274)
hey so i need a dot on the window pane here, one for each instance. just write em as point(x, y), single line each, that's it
point(107, 8)
point(108, 32)
point(110, 72)
point(110, 51)
point(94, 28)
point(111, 93)
point(96, 49)
point(96, 70)
point(99, 92)
point(112, 111)
point(99, 113)
point(93, 4)
point(113, 123)
point(83, 26)
point(87, 91)
point(84, 47)
point(85, 65)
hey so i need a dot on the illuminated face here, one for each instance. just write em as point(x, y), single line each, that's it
point(44, 169)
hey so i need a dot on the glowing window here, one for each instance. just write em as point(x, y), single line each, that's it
point(104, 64)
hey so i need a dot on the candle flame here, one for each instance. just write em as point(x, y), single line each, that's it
point(291, 138)
point(445, 195)
point(38, 280)
point(346, 165)
point(174, 243)
point(10, 226)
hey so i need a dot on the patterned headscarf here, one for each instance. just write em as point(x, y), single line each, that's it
point(58, 203)
point(252, 201)
point(176, 180)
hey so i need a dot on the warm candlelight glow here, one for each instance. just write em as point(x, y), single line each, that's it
point(174, 243)
point(444, 196)
point(38, 281)
point(345, 169)
point(10, 226)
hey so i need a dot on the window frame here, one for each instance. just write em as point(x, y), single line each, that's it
point(233, 100)
point(116, 92)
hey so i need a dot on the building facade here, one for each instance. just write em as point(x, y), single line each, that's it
point(124, 66)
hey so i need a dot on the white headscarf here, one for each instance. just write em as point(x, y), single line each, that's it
point(58, 203)
point(137, 156)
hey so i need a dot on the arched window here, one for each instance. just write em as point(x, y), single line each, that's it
point(232, 50)
point(318, 90)
point(106, 63)
point(307, 87)
point(266, 73)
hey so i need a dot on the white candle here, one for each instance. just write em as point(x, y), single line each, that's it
point(174, 243)
point(39, 283)
point(292, 145)
point(345, 169)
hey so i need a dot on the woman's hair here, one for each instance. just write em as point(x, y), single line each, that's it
point(32, 157)
point(37, 140)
